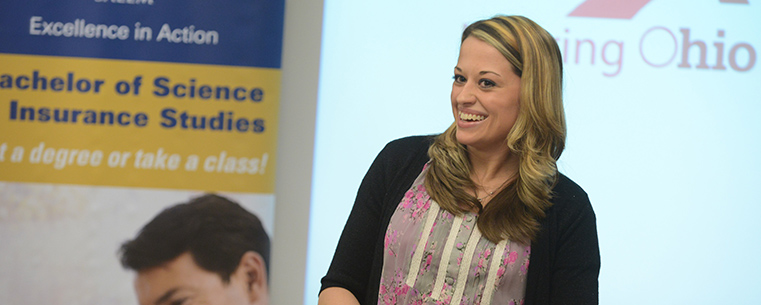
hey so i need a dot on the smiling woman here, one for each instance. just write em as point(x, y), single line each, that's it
point(456, 218)
point(485, 96)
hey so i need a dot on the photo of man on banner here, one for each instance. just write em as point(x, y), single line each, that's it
point(209, 250)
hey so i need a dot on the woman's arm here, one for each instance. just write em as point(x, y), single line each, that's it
point(565, 258)
point(358, 258)
point(337, 296)
point(577, 266)
point(576, 263)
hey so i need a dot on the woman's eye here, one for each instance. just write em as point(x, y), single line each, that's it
point(459, 79)
point(486, 83)
point(179, 302)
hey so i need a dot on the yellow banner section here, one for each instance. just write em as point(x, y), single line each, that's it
point(138, 124)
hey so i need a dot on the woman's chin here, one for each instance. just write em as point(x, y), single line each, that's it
point(465, 139)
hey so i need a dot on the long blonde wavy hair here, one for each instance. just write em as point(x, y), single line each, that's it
point(538, 136)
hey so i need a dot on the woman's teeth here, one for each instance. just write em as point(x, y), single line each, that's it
point(471, 117)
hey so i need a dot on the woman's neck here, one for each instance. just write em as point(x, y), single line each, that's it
point(491, 171)
point(492, 165)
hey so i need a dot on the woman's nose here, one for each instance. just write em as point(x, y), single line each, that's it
point(466, 94)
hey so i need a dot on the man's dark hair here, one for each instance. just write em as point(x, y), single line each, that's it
point(216, 232)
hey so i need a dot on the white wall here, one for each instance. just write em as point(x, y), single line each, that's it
point(301, 54)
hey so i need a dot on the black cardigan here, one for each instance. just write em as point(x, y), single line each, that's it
point(565, 258)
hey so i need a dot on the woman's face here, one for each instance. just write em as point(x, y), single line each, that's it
point(485, 96)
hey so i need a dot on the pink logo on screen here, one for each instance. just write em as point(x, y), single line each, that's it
point(618, 9)
point(658, 46)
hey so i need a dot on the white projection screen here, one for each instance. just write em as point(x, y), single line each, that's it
point(662, 100)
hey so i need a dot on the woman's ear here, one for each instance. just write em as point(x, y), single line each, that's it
point(255, 271)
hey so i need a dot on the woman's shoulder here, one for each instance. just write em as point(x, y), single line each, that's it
point(417, 141)
point(406, 146)
point(567, 195)
point(568, 187)
point(571, 212)
point(402, 155)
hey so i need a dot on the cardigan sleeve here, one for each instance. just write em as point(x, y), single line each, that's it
point(355, 264)
point(569, 251)
point(352, 260)
point(578, 266)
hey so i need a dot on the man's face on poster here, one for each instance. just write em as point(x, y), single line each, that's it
point(182, 282)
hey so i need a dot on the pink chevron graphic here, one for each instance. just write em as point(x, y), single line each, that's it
point(615, 9)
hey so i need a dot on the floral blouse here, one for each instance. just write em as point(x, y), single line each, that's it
point(451, 263)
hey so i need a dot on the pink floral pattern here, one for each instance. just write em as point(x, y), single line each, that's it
point(401, 239)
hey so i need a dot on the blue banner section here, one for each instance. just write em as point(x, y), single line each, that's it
point(225, 32)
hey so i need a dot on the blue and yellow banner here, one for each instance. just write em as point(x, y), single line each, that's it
point(112, 111)
point(230, 32)
point(136, 123)
point(148, 94)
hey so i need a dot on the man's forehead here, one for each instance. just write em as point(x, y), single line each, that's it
point(158, 284)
